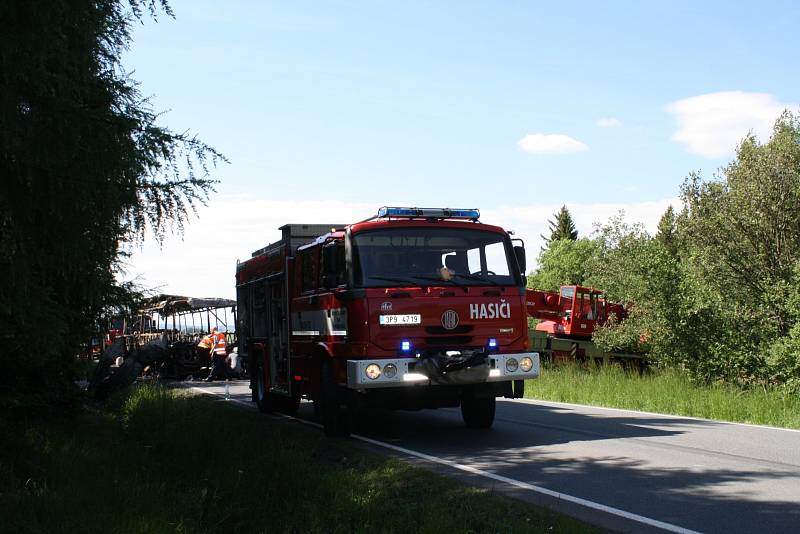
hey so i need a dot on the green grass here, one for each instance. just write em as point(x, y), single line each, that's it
point(666, 391)
point(159, 461)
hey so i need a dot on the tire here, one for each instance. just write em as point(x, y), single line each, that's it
point(478, 412)
point(262, 397)
point(287, 405)
point(335, 417)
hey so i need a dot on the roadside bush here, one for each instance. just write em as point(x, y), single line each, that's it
point(783, 358)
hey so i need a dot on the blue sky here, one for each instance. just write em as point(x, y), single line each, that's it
point(361, 104)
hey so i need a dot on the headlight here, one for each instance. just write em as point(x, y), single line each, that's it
point(525, 364)
point(511, 365)
point(372, 371)
point(390, 370)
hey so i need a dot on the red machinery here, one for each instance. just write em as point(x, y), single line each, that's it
point(568, 321)
point(413, 308)
point(573, 312)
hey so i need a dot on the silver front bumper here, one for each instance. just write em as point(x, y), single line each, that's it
point(498, 371)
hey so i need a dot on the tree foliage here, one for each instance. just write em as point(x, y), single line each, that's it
point(564, 262)
point(562, 227)
point(667, 232)
point(717, 291)
point(744, 230)
point(86, 169)
point(668, 316)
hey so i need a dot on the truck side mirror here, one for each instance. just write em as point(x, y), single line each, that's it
point(521, 261)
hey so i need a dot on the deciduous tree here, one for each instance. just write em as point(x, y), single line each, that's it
point(564, 262)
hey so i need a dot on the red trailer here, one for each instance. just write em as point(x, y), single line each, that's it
point(413, 308)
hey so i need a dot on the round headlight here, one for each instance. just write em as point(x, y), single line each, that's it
point(390, 370)
point(511, 365)
point(373, 371)
point(525, 364)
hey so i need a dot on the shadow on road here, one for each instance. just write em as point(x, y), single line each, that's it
point(627, 462)
point(547, 446)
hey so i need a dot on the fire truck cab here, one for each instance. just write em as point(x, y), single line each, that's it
point(413, 308)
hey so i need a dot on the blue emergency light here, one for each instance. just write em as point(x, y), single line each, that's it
point(438, 213)
point(405, 345)
point(492, 343)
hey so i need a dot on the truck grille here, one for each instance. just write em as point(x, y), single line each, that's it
point(440, 330)
point(448, 340)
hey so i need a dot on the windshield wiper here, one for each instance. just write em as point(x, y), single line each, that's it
point(412, 279)
point(477, 278)
point(394, 279)
point(439, 280)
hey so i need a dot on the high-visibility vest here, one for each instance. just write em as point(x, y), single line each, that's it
point(219, 344)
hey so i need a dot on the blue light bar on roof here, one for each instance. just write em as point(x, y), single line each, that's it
point(438, 213)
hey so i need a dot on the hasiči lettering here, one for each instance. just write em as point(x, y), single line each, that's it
point(493, 310)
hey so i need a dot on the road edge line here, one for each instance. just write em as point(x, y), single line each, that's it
point(689, 417)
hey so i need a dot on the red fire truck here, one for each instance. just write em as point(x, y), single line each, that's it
point(413, 308)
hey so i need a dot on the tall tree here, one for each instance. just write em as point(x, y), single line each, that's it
point(562, 227)
point(666, 233)
point(86, 169)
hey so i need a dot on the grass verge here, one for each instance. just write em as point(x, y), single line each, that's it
point(663, 391)
point(162, 461)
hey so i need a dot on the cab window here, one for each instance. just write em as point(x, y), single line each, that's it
point(308, 268)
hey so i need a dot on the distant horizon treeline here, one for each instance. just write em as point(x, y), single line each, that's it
point(716, 291)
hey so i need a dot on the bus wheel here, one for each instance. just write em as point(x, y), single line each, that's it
point(478, 412)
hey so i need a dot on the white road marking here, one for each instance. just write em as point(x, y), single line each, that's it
point(487, 474)
point(664, 415)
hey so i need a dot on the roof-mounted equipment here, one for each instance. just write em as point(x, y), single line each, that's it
point(429, 213)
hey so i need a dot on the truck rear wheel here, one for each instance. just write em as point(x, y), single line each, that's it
point(288, 404)
point(262, 397)
point(335, 417)
point(478, 412)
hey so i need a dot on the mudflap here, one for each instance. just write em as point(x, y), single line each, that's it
point(518, 389)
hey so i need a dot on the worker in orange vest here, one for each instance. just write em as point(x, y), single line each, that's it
point(215, 342)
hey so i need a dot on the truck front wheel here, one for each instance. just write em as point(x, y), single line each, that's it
point(478, 412)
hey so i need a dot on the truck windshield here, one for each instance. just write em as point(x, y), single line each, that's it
point(402, 257)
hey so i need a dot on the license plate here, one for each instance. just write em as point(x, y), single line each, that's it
point(391, 320)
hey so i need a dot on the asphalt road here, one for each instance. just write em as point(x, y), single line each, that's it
point(624, 470)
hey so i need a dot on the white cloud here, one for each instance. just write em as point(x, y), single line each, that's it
point(711, 125)
point(203, 263)
point(539, 143)
point(608, 122)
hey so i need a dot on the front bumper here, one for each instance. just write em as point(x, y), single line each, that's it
point(499, 371)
